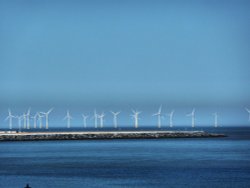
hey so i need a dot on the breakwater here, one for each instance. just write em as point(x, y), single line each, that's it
point(35, 136)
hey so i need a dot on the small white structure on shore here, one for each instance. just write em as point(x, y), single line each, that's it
point(115, 114)
point(159, 116)
point(68, 118)
point(192, 115)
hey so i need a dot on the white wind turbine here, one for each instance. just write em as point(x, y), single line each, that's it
point(192, 115)
point(171, 114)
point(215, 119)
point(115, 114)
point(135, 115)
point(24, 121)
point(46, 114)
point(35, 120)
point(101, 116)
point(68, 118)
point(9, 117)
point(248, 111)
point(28, 118)
point(85, 117)
point(40, 120)
point(20, 118)
point(95, 118)
point(159, 116)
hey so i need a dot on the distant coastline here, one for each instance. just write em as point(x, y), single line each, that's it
point(89, 135)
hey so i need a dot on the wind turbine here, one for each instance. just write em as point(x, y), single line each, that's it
point(171, 114)
point(101, 116)
point(19, 122)
point(192, 114)
point(95, 117)
point(85, 117)
point(158, 114)
point(9, 117)
point(47, 117)
point(28, 118)
point(136, 118)
point(35, 119)
point(68, 117)
point(24, 121)
point(40, 120)
point(248, 111)
point(115, 114)
point(215, 119)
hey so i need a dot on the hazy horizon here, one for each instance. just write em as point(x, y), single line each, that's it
point(125, 54)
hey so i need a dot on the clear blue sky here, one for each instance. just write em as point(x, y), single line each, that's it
point(184, 52)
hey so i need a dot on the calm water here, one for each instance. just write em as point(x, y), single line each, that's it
point(216, 162)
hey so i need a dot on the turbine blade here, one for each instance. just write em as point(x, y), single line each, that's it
point(50, 110)
point(247, 110)
point(159, 111)
point(193, 111)
point(9, 111)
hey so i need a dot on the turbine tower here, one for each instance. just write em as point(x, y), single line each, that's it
point(40, 120)
point(101, 116)
point(248, 111)
point(24, 121)
point(85, 117)
point(35, 120)
point(9, 117)
point(46, 114)
point(68, 117)
point(28, 118)
point(136, 118)
point(95, 117)
point(115, 114)
point(192, 115)
point(20, 118)
point(158, 114)
point(171, 114)
point(215, 119)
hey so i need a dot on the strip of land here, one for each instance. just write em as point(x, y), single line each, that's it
point(36, 136)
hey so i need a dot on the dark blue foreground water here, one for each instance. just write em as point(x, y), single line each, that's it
point(206, 162)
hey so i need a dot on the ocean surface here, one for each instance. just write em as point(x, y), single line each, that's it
point(198, 162)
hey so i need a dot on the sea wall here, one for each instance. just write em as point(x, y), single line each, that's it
point(25, 136)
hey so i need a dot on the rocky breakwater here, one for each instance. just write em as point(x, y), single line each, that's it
point(35, 136)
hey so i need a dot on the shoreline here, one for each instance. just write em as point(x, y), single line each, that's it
point(91, 135)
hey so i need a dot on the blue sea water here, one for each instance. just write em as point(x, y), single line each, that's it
point(200, 162)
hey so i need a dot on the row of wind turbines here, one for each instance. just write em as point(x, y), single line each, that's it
point(24, 119)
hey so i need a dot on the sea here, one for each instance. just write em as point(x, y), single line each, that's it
point(161, 163)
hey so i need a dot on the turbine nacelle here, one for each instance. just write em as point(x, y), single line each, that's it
point(192, 113)
point(115, 113)
point(67, 116)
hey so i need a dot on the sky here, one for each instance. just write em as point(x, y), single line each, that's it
point(108, 53)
